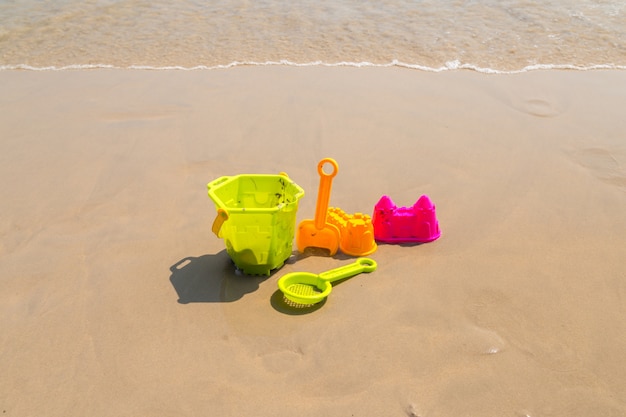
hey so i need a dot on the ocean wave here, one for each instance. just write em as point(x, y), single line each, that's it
point(454, 65)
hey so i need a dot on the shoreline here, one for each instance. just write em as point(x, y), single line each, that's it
point(117, 293)
point(454, 65)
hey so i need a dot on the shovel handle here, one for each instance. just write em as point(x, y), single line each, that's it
point(323, 193)
point(350, 270)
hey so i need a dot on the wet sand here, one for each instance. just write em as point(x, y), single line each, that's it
point(118, 300)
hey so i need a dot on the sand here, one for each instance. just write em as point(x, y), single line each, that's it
point(117, 300)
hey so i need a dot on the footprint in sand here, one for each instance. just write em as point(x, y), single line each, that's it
point(603, 164)
point(539, 107)
point(498, 317)
point(534, 100)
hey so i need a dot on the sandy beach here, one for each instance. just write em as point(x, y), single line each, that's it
point(118, 300)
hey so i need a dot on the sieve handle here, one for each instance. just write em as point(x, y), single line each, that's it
point(350, 270)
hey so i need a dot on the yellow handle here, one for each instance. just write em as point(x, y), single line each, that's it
point(221, 217)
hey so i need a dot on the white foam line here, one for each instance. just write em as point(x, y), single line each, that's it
point(54, 68)
point(449, 66)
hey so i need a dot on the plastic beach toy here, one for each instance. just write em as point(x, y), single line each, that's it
point(394, 224)
point(317, 232)
point(307, 288)
point(356, 232)
point(256, 217)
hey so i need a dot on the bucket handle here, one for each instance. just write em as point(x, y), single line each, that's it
point(216, 182)
point(222, 216)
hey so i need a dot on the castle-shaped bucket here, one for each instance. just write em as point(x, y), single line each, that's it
point(256, 217)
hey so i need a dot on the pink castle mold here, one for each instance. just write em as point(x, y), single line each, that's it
point(416, 224)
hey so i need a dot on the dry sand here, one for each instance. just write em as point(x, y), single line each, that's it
point(117, 300)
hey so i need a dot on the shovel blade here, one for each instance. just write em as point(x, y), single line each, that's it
point(310, 236)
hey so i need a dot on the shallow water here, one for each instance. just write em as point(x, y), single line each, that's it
point(485, 35)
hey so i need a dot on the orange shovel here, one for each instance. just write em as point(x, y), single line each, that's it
point(318, 233)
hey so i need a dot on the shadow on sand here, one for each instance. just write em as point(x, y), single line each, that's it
point(211, 279)
point(215, 279)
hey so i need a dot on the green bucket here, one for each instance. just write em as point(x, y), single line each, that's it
point(256, 217)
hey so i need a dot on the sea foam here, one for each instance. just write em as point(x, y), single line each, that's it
point(454, 65)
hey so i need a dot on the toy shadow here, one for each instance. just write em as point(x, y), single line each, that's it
point(401, 244)
point(211, 279)
point(215, 279)
point(315, 252)
point(282, 305)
